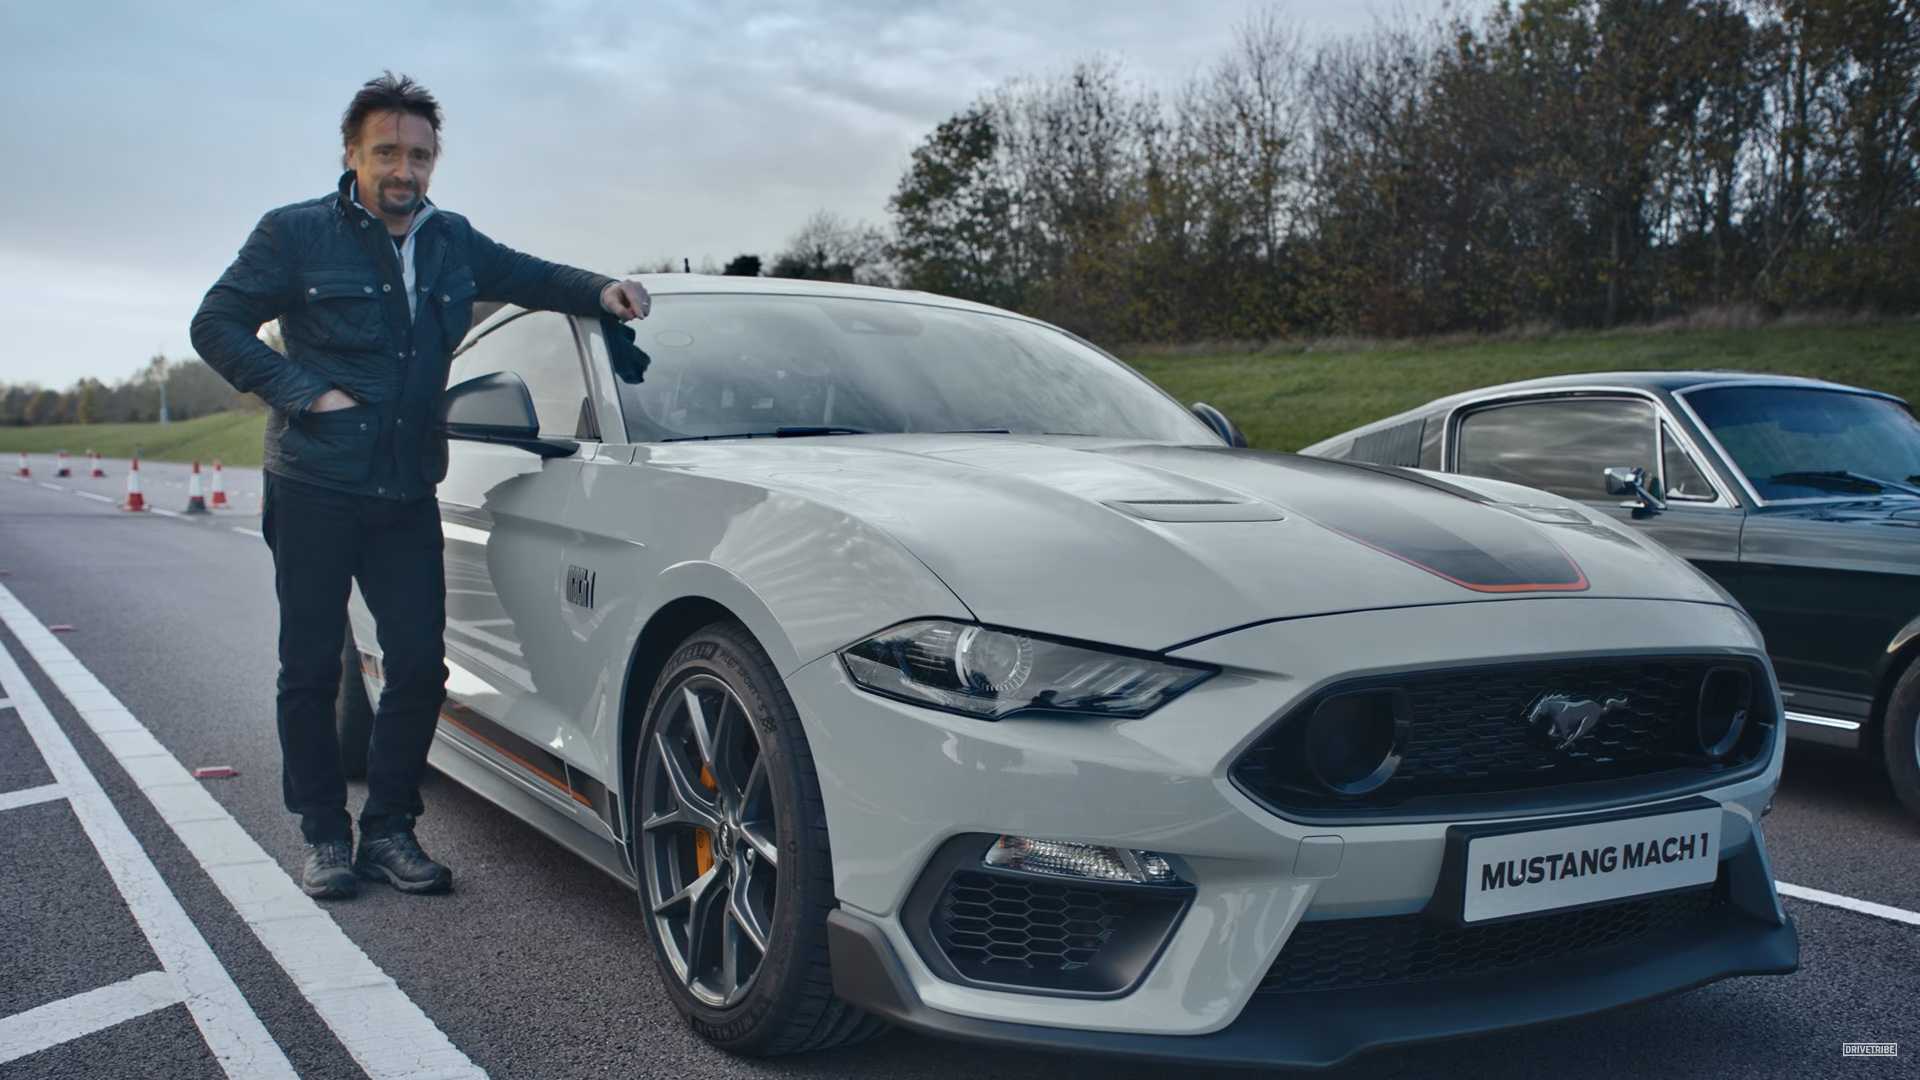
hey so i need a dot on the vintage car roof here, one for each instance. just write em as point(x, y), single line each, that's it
point(1658, 381)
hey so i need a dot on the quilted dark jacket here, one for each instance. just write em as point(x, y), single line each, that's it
point(327, 271)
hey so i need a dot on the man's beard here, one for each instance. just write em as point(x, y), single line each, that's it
point(395, 199)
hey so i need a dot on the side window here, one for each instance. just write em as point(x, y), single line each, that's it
point(1685, 479)
point(539, 347)
point(1560, 446)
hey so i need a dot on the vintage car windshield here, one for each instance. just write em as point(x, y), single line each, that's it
point(727, 364)
point(1804, 443)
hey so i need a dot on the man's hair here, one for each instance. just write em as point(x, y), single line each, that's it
point(387, 93)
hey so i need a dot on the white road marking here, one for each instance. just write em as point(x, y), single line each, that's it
point(455, 531)
point(1864, 907)
point(95, 497)
point(233, 1032)
point(255, 533)
point(167, 513)
point(51, 487)
point(83, 1014)
point(30, 796)
point(384, 1031)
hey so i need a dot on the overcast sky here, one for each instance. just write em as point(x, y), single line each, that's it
point(147, 138)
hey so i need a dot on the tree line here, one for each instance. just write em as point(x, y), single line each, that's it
point(189, 388)
point(1568, 162)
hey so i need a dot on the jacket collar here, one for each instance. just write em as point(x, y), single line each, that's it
point(344, 202)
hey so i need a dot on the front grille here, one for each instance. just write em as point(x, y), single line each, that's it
point(1468, 734)
point(1342, 954)
point(1024, 931)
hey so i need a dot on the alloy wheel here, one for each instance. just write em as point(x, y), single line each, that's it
point(709, 840)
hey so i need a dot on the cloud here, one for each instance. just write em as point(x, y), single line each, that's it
point(145, 143)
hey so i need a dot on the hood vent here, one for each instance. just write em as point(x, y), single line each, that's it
point(1190, 510)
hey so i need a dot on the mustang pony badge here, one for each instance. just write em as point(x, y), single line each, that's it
point(1562, 719)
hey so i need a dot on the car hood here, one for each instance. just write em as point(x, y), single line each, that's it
point(1153, 545)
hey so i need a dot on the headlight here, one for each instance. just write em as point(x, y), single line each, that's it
point(992, 673)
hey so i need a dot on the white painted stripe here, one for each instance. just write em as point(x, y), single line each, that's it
point(384, 1031)
point(51, 487)
point(455, 531)
point(255, 533)
point(95, 497)
point(236, 1036)
point(1864, 907)
point(31, 796)
point(167, 513)
point(6, 703)
point(83, 1014)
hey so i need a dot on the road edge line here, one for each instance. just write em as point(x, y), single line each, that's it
point(382, 1028)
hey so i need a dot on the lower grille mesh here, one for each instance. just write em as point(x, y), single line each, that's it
point(1341, 954)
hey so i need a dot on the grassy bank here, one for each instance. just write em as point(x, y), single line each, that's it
point(232, 437)
point(1284, 400)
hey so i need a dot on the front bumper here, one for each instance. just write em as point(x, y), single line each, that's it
point(1322, 1029)
point(901, 781)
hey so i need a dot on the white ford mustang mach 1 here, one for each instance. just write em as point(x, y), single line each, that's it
point(917, 662)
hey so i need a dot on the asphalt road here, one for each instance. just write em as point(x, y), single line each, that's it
point(536, 965)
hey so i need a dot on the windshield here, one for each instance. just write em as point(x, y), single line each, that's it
point(1800, 443)
point(723, 365)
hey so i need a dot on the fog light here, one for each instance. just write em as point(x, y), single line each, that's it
point(1726, 697)
point(1354, 741)
point(1088, 862)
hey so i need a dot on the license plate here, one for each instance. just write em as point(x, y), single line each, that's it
point(1547, 869)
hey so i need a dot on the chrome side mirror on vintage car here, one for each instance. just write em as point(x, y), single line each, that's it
point(1218, 421)
point(497, 408)
point(1625, 480)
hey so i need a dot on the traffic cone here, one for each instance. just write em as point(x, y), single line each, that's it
point(196, 501)
point(24, 471)
point(98, 472)
point(135, 500)
point(63, 468)
point(219, 488)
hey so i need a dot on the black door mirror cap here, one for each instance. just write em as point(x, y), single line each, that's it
point(497, 408)
point(1221, 426)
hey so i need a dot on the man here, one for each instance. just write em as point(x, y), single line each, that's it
point(374, 286)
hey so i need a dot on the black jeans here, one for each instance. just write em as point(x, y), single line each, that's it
point(322, 542)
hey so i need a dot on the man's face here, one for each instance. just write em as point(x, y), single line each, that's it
point(393, 160)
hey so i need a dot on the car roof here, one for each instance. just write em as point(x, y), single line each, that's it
point(1667, 381)
point(1655, 382)
point(693, 284)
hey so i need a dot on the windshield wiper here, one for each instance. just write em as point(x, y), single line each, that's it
point(777, 433)
point(1841, 478)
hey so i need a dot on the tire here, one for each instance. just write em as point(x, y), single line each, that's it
point(1900, 737)
point(756, 796)
point(353, 713)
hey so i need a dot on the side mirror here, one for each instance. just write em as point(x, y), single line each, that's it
point(1624, 480)
point(1221, 426)
point(497, 408)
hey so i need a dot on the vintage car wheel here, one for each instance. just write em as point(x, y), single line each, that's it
point(1900, 729)
point(736, 877)
point(353, 713)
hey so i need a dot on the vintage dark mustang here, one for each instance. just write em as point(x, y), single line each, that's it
point(1801, 497)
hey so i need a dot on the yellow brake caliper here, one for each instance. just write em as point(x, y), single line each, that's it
point(702, 839)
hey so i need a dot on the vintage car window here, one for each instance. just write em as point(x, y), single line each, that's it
point(731, 364)
point(1797, 442)
point(1563, 446)
point(1685, 479)
point(539, 347)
